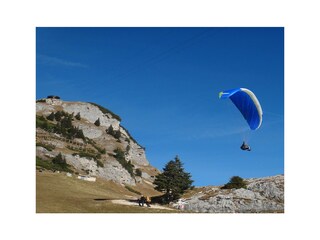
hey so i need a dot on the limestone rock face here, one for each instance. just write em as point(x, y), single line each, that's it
point(99, 143)
point(263, 195)
point(91, 113)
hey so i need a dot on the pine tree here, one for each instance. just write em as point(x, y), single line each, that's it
point(58, 116)
point(117, 134)
point(60, 160)
point(173, 181)
point(79, 134)
point(51, 117)
point(138, 172)
point(110, 130)
point(78, 117)
point(97, 122)
point(66, 122)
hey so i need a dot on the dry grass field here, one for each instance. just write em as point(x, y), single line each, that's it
point(58, 193)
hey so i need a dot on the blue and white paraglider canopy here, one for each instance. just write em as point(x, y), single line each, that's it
point(248, 105)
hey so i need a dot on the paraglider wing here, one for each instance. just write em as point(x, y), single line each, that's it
point(248, 105)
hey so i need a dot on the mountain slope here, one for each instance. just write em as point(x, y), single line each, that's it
point(91, 140)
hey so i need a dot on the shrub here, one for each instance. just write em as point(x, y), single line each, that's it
point(42, 122)
point(78, 117)
point(79, 134)
point(60, 160)
point(51, 117)
point(53, 166)
point(138, 172)
point(58, 116)
point(117, 134)
point(43, 163)
point(110, 130)
point(235, 182)
point(97, 122)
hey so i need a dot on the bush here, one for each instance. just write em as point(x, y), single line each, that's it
point(78, 117)
point(79, 134)
point(44, 164)
point(60, 160)
point(50, 165)
point(51, 117)
point(97, 122)
point(110, 130)
point(138, 172)
point(58, 116)
point(42, 122)
point(117, 134)
point(235, 182)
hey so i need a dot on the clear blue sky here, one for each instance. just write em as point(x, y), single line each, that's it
point(164, 83)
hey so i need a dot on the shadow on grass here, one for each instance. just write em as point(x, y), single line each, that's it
point(102, 199)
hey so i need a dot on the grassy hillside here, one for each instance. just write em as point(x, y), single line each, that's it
point(58, 193)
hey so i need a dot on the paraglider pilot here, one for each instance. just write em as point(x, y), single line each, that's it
point(245, 146)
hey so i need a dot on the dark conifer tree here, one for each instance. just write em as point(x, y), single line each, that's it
point(173, 181)
point(97, 122)
point(235, 182)
point(110, 130)
point(60, 160)
point(58, 116)
point(117, 134)
point(78, 117)
point(51, 117)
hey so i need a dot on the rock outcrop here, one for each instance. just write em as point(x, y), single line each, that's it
point(107, 167)
point(263, 195)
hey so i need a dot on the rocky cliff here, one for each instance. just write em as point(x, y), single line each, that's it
point(97, 152)
point(263, 195)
